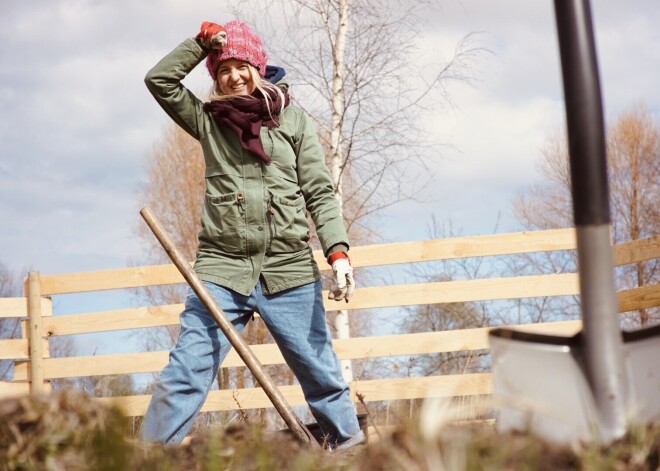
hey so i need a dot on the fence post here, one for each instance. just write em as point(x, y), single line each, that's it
point(36, 333)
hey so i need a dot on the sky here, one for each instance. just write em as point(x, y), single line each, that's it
point(77, 120)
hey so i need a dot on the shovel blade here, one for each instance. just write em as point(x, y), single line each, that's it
point(540, 385)
point(642, 363)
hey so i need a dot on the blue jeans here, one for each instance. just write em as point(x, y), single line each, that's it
point(296, 320)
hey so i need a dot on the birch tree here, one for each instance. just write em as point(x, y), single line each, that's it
point(355, 67)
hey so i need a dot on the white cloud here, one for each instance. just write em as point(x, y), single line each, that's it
point(500, 124)
point(77, 119)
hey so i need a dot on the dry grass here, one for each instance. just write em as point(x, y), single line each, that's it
point(69, 431)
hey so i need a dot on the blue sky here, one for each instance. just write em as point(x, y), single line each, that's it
point(77, 119)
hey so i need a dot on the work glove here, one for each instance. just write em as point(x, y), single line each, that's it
point(212, 35)
point(345, 282)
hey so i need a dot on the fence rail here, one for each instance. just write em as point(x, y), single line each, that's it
point(33, 365)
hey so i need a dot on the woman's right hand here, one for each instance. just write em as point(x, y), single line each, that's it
point(212, 35)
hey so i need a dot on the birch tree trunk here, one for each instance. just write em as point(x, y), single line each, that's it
point(336, 149)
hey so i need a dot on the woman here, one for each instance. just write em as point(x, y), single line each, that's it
point(264, 168)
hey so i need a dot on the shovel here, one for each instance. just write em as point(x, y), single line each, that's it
point(593, 385)
point(299, 430)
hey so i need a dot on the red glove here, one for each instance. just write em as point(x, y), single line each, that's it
point(212, 35)
point(344, 279)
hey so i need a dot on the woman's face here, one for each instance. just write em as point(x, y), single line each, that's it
point(234, 78)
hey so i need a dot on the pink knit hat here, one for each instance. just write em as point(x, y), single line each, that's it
point(242, 44)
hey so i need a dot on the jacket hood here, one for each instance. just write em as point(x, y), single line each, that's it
point(275, 75)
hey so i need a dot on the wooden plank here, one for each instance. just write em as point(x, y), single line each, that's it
point(250, 398)
point(371, 390)
point(14, 388)
point(131, 363)
point(462, 247)
point(461, 291)
point(635, 299)
point(9, 389)
point(437, 342)
point(269, 354)
point(217, 400)
point(17, 307)
point(637, 251)
point(491, 245)
point(73, 367)
point(121, 278)
point(18, 349)
point(13, 307)
point(14, 349)
point(105, 321)
point(428, 386)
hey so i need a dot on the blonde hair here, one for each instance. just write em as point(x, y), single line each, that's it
point(259, 84)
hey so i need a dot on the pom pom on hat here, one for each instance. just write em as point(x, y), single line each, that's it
point(242, 44)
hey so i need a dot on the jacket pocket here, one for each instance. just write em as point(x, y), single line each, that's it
point(223, 223)
point(287, 224)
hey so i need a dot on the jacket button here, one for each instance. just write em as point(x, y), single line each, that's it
point(261, 228)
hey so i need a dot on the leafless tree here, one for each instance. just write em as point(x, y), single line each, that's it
point(355, 66)
point(174, 190)
point(9, 326)
point(633, 156)
point(451, 316)
point(634, 149)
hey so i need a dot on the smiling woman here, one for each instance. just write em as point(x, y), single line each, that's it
point(265, 167)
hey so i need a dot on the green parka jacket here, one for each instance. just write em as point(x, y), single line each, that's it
point(253, 222)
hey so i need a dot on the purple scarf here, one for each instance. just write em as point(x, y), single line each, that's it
point(246, 115)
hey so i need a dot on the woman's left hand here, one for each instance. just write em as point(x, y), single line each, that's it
point(344, 279)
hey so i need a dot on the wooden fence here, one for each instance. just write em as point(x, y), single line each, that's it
point(34, 368)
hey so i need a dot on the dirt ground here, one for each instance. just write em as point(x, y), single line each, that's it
point(69, 431)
